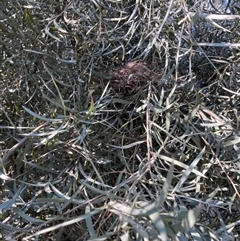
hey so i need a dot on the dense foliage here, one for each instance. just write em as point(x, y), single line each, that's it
point(119, 120)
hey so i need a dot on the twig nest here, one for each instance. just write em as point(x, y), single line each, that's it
point(130, 76)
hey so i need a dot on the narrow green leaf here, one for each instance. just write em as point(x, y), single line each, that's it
point(188, 171)
point(41, 117)
point(64, 224)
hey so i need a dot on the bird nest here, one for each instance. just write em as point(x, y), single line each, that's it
point(130, 76)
